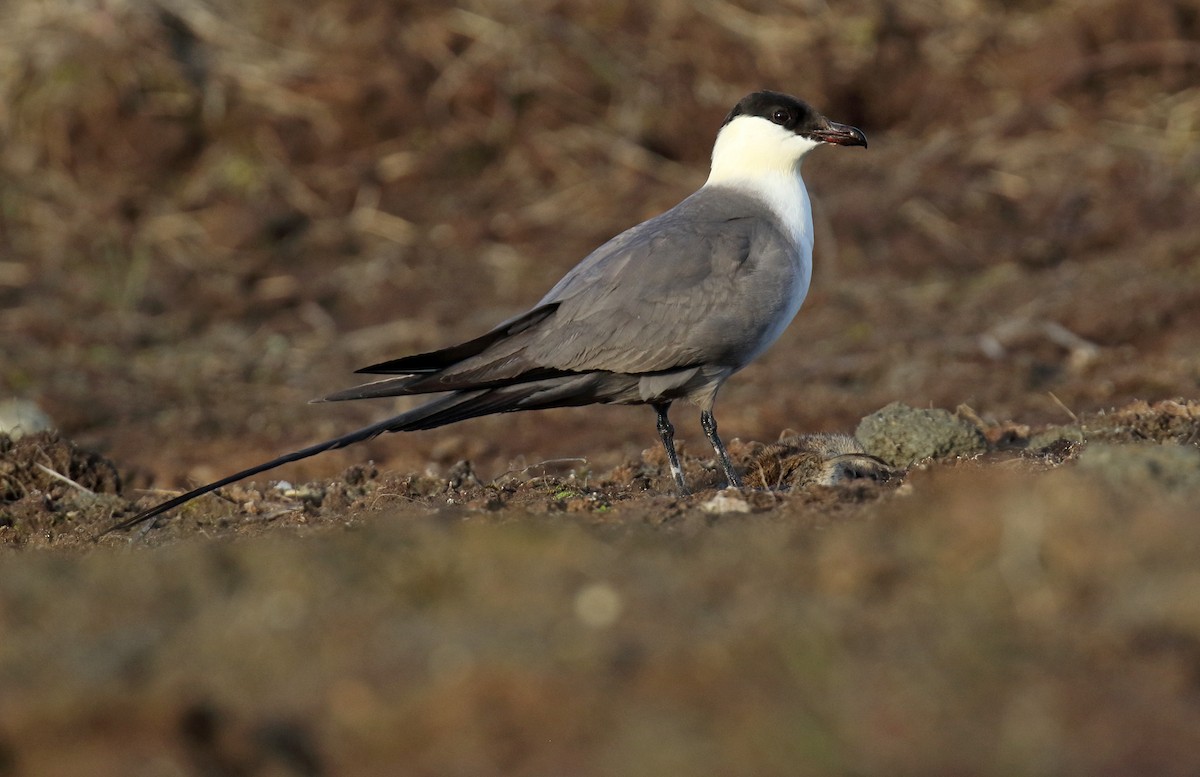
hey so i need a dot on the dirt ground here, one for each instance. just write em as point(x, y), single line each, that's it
point(213, 212)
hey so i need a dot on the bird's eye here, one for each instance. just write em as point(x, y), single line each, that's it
point(780, 116)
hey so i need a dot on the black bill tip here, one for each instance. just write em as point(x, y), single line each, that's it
point(839, 134)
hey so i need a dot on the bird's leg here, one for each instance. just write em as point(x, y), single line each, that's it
point(666, 433)
point(709, 424)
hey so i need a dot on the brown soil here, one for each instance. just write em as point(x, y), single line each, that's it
point(213, 214)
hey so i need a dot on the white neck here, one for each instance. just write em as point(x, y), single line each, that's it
point(762, 159)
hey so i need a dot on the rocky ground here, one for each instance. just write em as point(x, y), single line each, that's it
point(214, 212)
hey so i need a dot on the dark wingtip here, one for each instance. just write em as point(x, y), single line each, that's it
point(393, 367)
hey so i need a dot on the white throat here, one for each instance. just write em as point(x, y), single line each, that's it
point(763, 159)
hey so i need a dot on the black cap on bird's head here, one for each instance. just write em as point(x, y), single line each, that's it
point(796, 116)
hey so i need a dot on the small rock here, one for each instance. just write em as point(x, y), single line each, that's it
point(726, 503)
point(901, 435)
point(19, 417)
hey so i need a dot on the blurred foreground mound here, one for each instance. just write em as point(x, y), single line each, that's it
point(1034, 614)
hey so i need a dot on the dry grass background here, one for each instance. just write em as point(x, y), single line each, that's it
point(213, 211)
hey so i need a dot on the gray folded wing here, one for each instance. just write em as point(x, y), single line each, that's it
point(705, 286)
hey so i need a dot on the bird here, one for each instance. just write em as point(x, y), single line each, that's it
point(800, 461)
point(665, 311)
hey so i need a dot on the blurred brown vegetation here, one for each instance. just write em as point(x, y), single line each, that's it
point(212, 212)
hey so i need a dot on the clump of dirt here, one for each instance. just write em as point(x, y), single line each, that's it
point(902, 436)
point(47, 466)
point(1175, 421)
point(1055, 437)
point(51, 490)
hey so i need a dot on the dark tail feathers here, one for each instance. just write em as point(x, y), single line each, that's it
point(455, 407)
point(559, 391)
